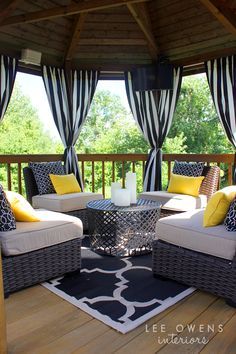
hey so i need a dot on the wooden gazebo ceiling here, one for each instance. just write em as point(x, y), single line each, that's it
point(118, 34)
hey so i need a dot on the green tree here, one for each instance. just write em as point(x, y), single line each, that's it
point(105, 110)
point(22, 132)
point(197, 119)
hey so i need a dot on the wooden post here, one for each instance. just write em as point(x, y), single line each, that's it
point(3, 334)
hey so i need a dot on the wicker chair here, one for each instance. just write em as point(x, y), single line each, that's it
point(27, 269)
point(32, 190)
point(38, 266)
point(200, 270)
point(208, 187)
point(203, 271)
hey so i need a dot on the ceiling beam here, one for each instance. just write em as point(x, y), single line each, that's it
point(86, 6)
point(8, 8)
point(75, 36)
point(141, 16)
point(226, 17)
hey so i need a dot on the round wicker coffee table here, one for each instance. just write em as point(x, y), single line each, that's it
point(122, 231)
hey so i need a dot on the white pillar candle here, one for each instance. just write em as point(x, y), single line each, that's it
point(122, 197)
point(114, 187)
point(131, 186)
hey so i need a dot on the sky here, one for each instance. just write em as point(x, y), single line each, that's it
point(33, 87)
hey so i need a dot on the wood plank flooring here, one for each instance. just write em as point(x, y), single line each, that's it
point(39, 321)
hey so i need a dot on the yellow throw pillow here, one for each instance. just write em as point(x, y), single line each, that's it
point(65, 184)
point(185, 185)
point(218, 206)
point(22, 210)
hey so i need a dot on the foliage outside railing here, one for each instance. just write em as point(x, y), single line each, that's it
point(99, 170)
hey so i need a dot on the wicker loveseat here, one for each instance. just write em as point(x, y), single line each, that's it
point(72, 204)
point(201, 257)
point(37, 251)
point(177, 203)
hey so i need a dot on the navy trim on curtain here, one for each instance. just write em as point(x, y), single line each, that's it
point(70, 104)
point(153, 111)
point(8, 72)
point(221, 76)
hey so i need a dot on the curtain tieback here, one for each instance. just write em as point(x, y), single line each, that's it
point(155, 151)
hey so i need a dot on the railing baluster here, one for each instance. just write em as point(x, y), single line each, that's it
point(93, 176)
point(143, 169)
point(123, 174)
point(113, 171)
point(218, 164)
point(169, 170)
point(9, 176)
point(19, 178)
point(82, 169)
point(230, 174)
point(133, 166)
point(103, 179)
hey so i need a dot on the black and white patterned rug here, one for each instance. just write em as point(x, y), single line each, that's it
point(121, 292)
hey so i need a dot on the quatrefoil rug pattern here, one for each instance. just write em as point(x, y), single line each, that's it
point(121, 292)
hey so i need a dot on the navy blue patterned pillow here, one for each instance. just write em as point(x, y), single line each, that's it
point(230, 219)
point(191, 169)
point(7, 219)
point(41, 171)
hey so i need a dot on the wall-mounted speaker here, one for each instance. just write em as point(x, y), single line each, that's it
point(29, 56)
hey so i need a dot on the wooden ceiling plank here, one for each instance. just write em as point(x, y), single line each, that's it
point(226, 17)
point(120, 55)
point(113, 41)
point(86, 6)
point(112, 49)
point(141, 16)
point(224, 42)
point(76, 32)
point(204, 56)
point(9, 8)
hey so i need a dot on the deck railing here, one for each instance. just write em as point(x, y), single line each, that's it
point(99, 170)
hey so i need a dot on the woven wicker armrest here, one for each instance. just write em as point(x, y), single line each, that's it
point(211, 181)
point(31, 188)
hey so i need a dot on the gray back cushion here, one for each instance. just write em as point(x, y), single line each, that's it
point(191, 169)
point(41, 171)
point(7, 219)
point(230, 219)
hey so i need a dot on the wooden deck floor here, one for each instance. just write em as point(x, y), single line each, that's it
point(39, 321)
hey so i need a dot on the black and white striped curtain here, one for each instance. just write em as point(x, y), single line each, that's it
point(221, 76)
point(7, 78)
point(153, 112)
point(70, 104)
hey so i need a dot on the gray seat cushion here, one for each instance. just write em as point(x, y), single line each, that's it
point(176, 202)
point(64, 203)
point(53, 228)
point(186, 230)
